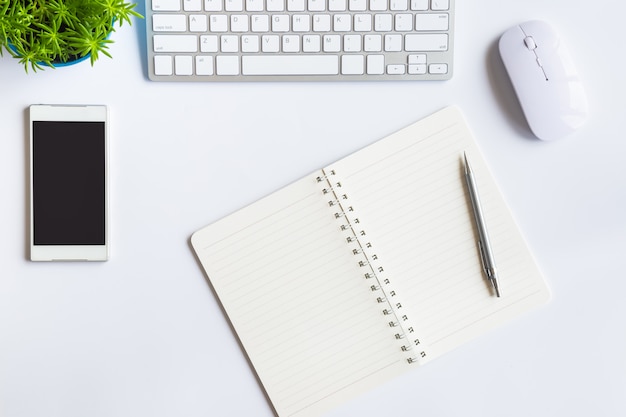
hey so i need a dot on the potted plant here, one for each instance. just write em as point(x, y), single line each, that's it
point(48, 33)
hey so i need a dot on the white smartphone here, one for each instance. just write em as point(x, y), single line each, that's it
point(68, 183)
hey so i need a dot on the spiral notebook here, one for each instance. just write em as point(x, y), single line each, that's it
point(367, 268)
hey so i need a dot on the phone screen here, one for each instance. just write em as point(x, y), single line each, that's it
point(69, 189)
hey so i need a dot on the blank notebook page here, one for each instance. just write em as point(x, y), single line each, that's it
point(298, 300)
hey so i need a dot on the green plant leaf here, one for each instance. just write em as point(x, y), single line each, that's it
point(42, 32)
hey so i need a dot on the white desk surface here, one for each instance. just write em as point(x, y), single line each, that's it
point(143, 334)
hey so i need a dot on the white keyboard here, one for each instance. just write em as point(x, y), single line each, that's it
point(305, 40)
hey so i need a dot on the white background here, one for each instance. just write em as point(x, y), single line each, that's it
point(143, 334)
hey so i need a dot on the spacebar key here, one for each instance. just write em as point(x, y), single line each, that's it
point(290, 65)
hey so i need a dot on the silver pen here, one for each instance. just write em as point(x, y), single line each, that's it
point(486, 253)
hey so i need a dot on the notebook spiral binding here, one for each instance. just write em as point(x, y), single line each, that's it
point(380, 285)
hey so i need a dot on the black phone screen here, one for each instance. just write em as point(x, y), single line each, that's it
point(68, 180)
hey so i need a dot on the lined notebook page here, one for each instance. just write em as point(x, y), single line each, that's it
point(412, 200)
point(297, 298)
point(298, 303)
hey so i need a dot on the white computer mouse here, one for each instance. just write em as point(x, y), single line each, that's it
point(545, 79)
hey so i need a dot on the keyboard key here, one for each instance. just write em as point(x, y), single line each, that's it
point(166, 5)
point(239, 23)
point(275, 5)
point(352, 43)
point(227, 65)
point(426, 42)
point(254, 5)
point(270, 43)
point(213, 5)
point(192, 5)
point(342, 22)
point(352, 64)
point(419, 4)
point(260, 23)
point(204, 65)
point(198, 23)
point(208, 43)
point(376, 64)
point(169, 23)
point(301, 23)
point(290, 65)
point(404, 22)
point(440, 4)
point(337, 5)
point(183, 65)
point(438, 68)
point(417, 58)
point(175, 43)
point(417, 69)
point(357, 5)
point(316, 5)
point(382, 22)
point(218, 23)
point(250, 43)
point(393, 43)
point(233, 5)
point(395, 69)
point(321, 23)
point(291, 43)
point(163, 65)
point(311, 43)
point(295, 5)
point(332, 43)
point(373, 43)
point(229, 43)
point(431, 22)
point(280, 23)
point(362, 22)
point(398, 5)
point(378, 5)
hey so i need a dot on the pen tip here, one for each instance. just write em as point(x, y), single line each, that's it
point(495, 287)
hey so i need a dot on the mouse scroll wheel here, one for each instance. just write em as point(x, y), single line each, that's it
point(530, 43)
